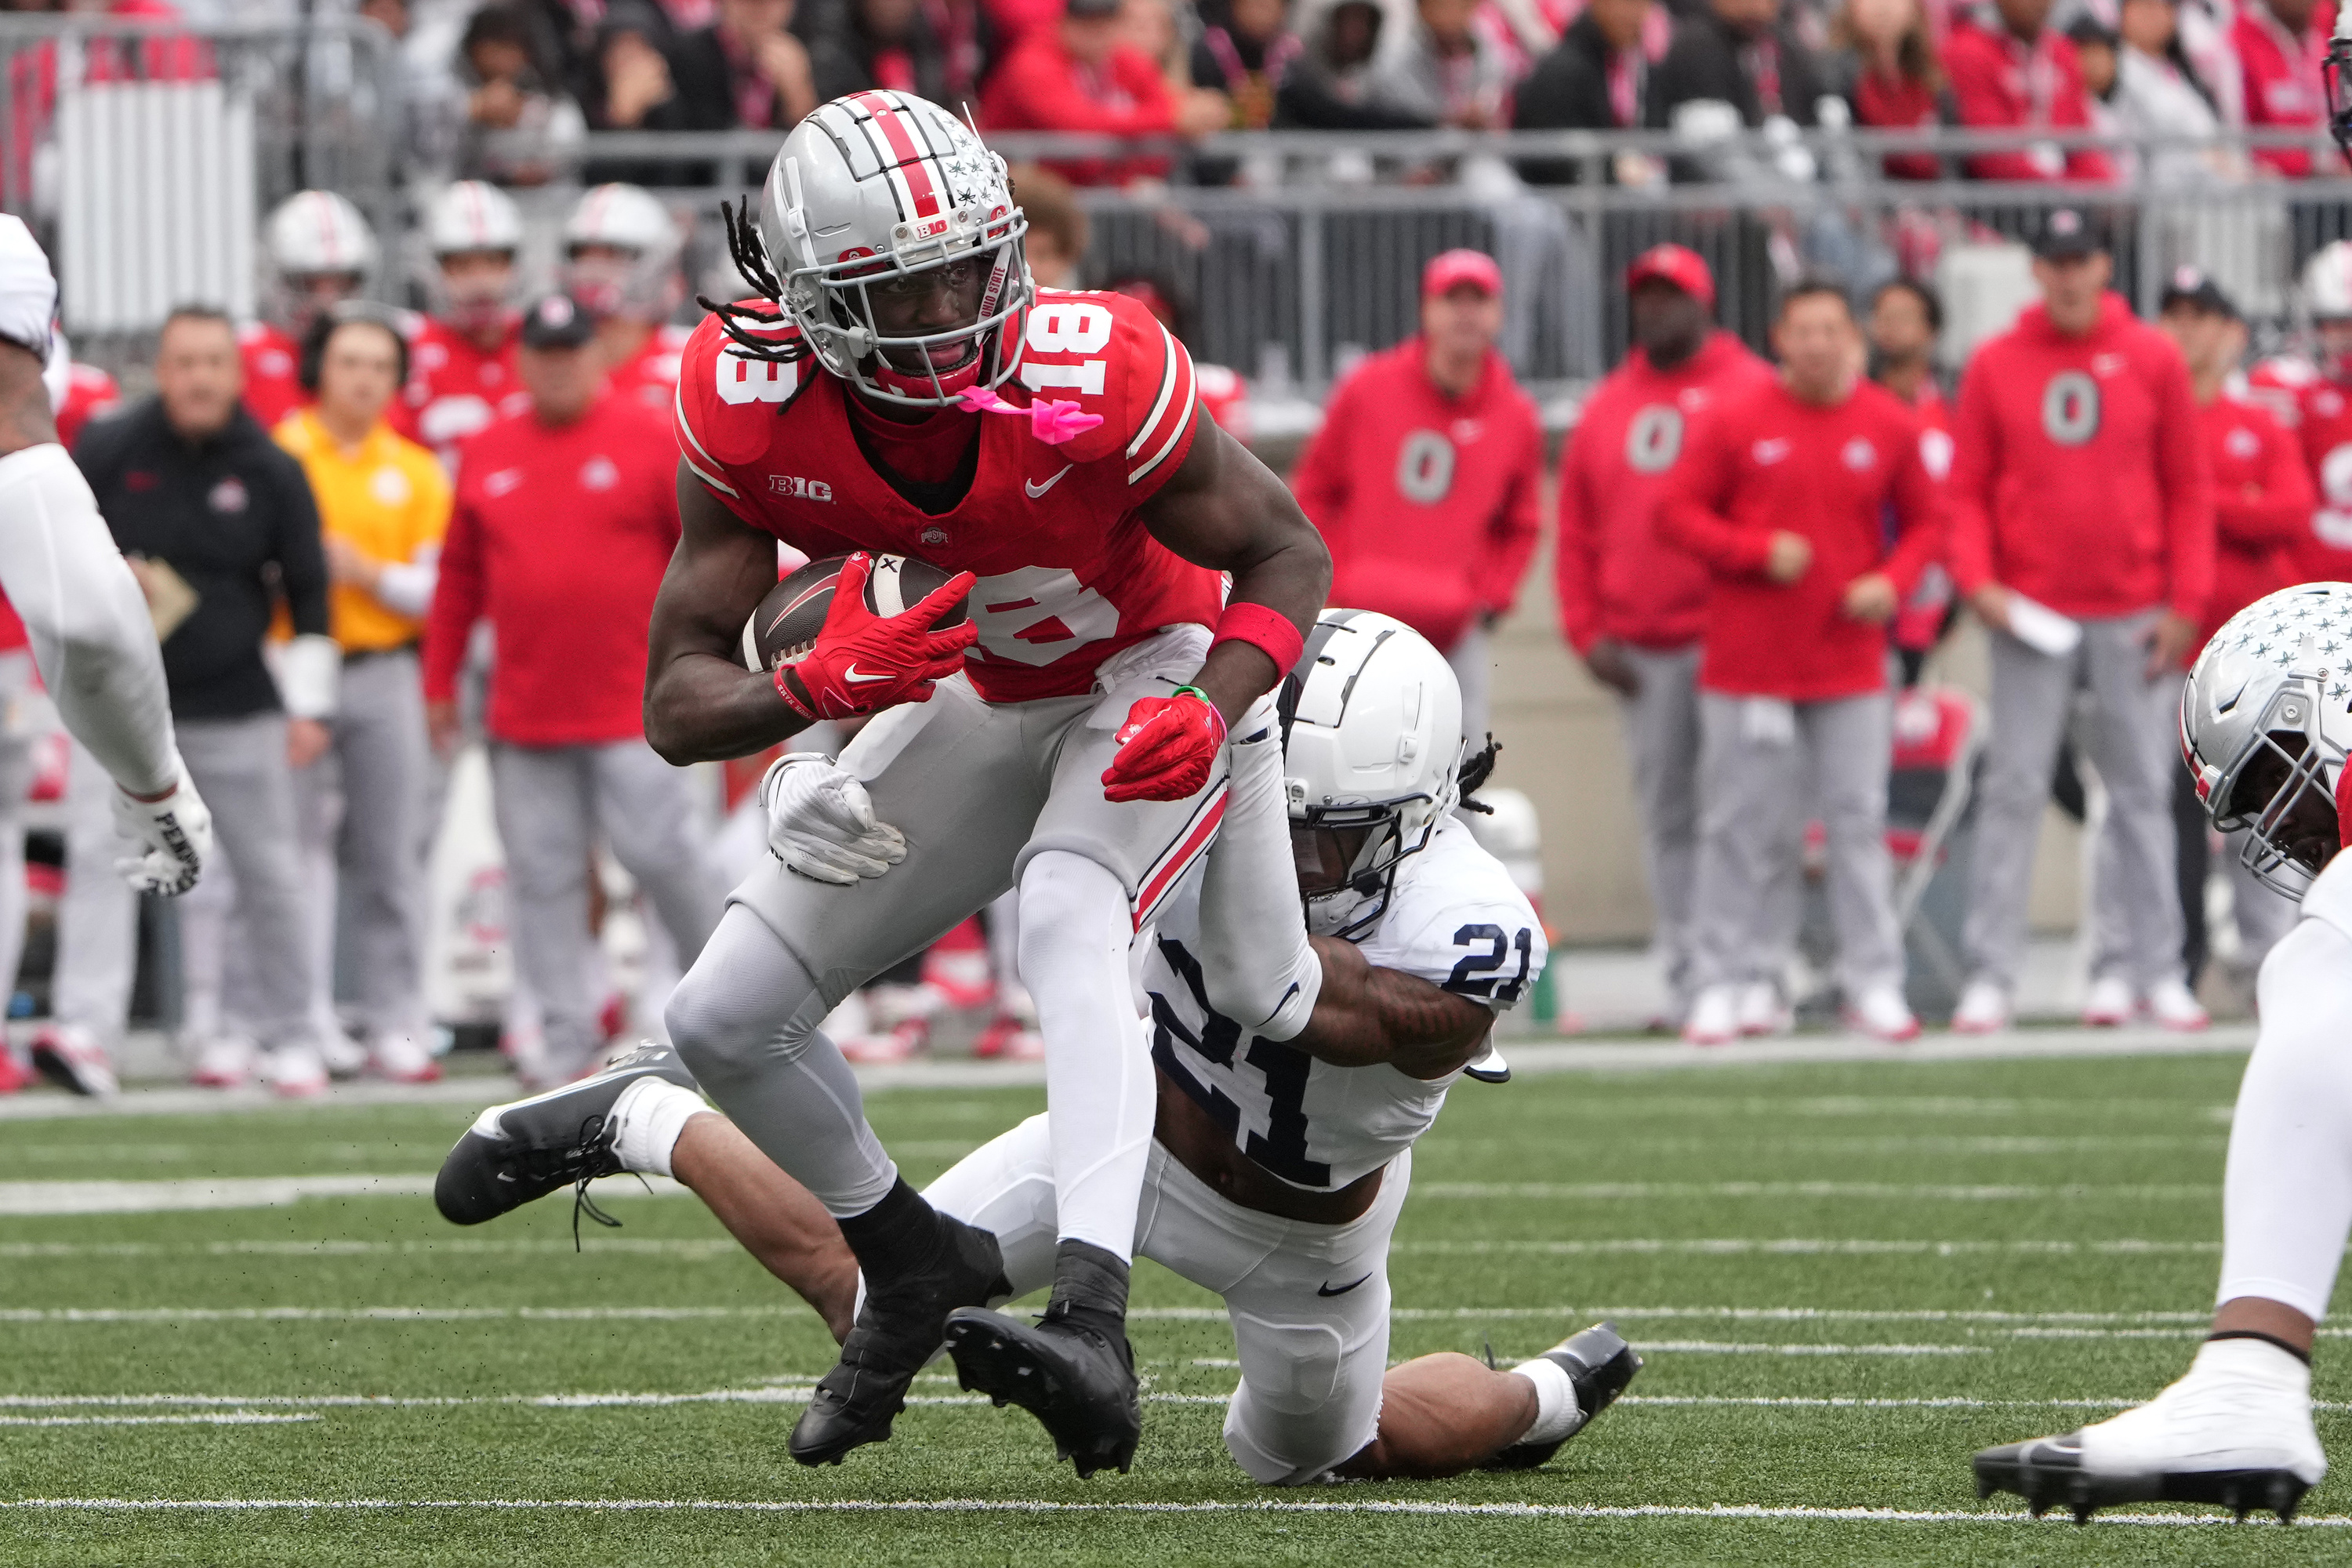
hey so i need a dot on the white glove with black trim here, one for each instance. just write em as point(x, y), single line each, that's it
point(821, 823)
point(172, 838)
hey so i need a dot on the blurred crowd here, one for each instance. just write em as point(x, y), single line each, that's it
point(505, 92)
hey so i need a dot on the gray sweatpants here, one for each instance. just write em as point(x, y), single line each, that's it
point(2132, 742)
point(552, 803)
point(1473, 659)
point(361, 825)
point(239, 767)
point(1662, 740)
point(1767, 765)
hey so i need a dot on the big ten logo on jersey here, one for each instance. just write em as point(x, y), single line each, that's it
point(742, 380)
point(2070, 408)
point(1654, 439)
point(1068, 326)
point(1039, 614)
point(1425, 468)
point(2332, 524)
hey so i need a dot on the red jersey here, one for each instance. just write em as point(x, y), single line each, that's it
point(1616, 577)
point(650, 375)
point(456, 386)
point(273, 388)
point(1068, 574)
point(2000, 82)
point(2282, 85)
point(560, 537)
point(2263, 502)
point(1766, 462)
point(2318, 410)
point(1429, 502)
point(2078, 470)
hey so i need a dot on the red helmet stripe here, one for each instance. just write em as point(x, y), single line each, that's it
point(914, 165)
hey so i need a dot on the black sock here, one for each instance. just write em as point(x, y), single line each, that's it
point(1088, 1282)
point(896, 1236)
point(2302, 1356)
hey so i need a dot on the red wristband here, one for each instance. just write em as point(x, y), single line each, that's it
point(1268, 631)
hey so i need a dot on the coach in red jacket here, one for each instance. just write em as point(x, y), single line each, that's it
point(566, 515)
point(1786, 496)
point(1426, 475)
point(2083, 535)
point(1630, 604)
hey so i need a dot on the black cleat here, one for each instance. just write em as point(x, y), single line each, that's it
point(2048, 1473)
point(898, 1328)
point(1599, 1364)
point(527, 1149)
point(1077, 1379)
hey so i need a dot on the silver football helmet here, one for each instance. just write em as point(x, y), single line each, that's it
point(2265, 724)
point(320, 252)
point(621, 252)
point(471, 219)
point(871, 188)
point(1371, 721)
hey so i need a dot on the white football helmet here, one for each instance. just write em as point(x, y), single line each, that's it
point(2328, 282)
point(1371, 748)
point(643, 282)
point(473, 215)
point(2269, 704)
point(869, 189)
point(320, 252)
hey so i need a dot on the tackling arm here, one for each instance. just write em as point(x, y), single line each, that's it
point(701, 704)
point(1367, 1015)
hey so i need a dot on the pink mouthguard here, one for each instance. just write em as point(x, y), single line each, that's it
point(1051, 420)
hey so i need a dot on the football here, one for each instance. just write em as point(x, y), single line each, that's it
point(785, 626)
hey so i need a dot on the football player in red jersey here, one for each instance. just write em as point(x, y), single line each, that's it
point(462, 363)
point(620, 259)
point(320, 252)
point(1067, 739)
point(2315, 396)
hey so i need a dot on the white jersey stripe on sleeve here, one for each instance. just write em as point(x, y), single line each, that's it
point(691, 445)
point(1170, 354)
point(1179, 419)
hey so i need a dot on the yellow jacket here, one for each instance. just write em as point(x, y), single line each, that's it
point(388, 498)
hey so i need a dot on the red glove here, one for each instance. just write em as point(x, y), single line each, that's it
point(1166, 748)
point(863, 662)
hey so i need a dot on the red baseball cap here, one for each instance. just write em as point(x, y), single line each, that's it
point(1455, 268)
point(1675, 264)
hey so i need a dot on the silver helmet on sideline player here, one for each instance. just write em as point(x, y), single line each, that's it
point(1370, 766)
point(2265, 724)
point(870, 192)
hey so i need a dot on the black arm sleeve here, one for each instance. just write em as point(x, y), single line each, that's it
point(301, 560)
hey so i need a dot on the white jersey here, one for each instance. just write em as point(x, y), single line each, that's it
point(1455, 920)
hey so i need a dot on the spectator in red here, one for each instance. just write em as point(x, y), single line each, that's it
point(1426, 477)
point(2263, 502)
point(2083, 536)
point(566, 515)
point(1630, 604)
point(1786, 496)
point(1886, 57)
point(2010, 71)
point(2280, 45)
point(1081, 76)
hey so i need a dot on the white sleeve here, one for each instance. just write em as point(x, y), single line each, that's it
point(407, 586)
point(29, 294)
point(88, 621)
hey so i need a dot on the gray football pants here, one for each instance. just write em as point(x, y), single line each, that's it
point(2133, 743)
point(239, 767)
point(551, 803)
point(1764, 763)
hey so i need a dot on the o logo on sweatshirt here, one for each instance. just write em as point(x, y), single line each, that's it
point(1654, 439)
point(1425, 468)
point(2070, 408)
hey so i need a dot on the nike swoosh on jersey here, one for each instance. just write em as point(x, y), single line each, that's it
point(854, 673)
point(1325, 1288)
point(1037, 489)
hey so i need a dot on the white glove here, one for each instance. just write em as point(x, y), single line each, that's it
point(821, 823)
point(172, 838)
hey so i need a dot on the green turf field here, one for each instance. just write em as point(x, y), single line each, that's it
point(1846, 1278)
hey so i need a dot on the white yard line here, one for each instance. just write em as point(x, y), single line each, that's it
point(224, 1418)
point(1503, 1510)
point(1619, 1190)
point(1711, 1246)
point(30, 1199)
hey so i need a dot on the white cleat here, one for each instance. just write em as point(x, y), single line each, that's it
point(72, 1056)
point(295, 1070)
point(403, 1058)
point(1983, 1009)
point(2110, 1004)
point(341, 1055)
point(224, 1061)
point(2174, 1006)
point(1881, 1013)
point(1761, 1011)
point(1715, 1017)
point(2236, 1432)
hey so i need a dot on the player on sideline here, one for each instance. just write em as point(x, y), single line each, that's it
point(91, 637)
point(1279, 1168)
point(861, 405)
point(2264, 728)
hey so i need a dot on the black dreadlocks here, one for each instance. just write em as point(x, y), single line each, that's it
point(749, 329)
point(1476, 769)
